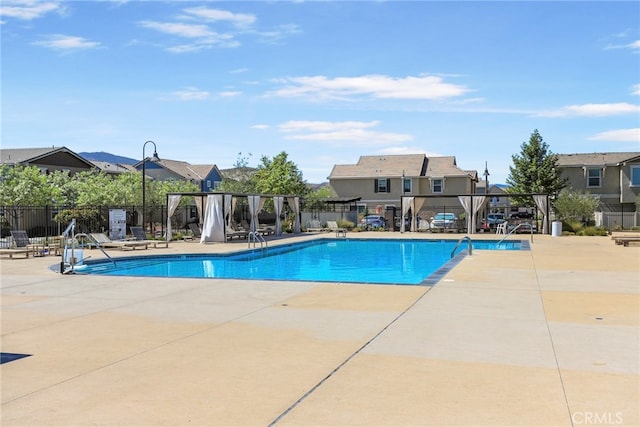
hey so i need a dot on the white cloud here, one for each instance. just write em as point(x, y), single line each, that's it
point(28, 9)
point(230, 93)
point(351, 132)
point(376, 86)
point(323, 126)
point(191, 94)
point(633, 45)
point(635, 89)
point(66, 43)
point(619, 135)
point(592, 110)
point(260, 127)
point(179, 29)
point(238, 19)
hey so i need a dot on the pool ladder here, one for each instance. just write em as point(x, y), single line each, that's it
point(469, 245)
point(256, 237)
point(514, 229)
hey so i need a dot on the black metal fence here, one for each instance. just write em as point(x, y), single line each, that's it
point(45, 221)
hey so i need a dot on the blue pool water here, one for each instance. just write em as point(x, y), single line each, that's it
point(388, 261)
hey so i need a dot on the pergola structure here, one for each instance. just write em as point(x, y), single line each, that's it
point(472, 204)
point(216, 212)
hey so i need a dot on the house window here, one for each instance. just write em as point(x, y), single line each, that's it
point(208, 183)
point(406, 185)
point(382, 185)
point(594, 177)
point(216, 184)
point(635, 176)
point(437, 185)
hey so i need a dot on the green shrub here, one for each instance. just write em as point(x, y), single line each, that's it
point(572, 226)
point(595, 231)
point(342, 223)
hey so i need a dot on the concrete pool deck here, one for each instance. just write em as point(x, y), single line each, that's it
point(546, 337)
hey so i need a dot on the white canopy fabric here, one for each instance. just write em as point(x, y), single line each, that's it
point(407, 203)
point(478, 203)
point(294, 203)
point(255, 205)
point(472, 205)
point(417, 205)
point(172, 205)
point(542, 203)
point(201, 203)
point(466, 201)
point(228, 212)
point(278, 205)
point(213, 227)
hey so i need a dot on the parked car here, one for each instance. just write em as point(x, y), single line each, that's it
point(444, 220)
point(373, 221)
point(521, 215)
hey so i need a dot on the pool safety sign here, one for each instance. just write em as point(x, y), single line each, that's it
point(117, 224)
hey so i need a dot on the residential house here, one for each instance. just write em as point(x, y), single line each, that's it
point(113, 168)
point(48, 159)
point(381, 181)
point(206, 177)
point(614, 177)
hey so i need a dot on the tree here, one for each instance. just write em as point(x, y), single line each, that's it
point(535, 170)
point(279, 176)
point(25, 186)
point(572, 205)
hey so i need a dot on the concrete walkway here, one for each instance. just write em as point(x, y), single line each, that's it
point(547, 337)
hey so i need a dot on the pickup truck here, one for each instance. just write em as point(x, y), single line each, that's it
point(444, 220)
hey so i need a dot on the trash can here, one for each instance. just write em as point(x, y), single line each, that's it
point(556, 228)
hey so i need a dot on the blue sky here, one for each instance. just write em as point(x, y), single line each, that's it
point(325, 81)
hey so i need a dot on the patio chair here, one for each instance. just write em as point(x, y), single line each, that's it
point(103, 241)
point(195, 230)
point(333, 226)
point(233, 231)
point(22, 242)
point(141, 236)
point(502, 228)
point(315, 226)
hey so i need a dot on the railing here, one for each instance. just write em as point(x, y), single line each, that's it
point(514, 229)
point(469, 245)
point(69, 267)
point(256, 237)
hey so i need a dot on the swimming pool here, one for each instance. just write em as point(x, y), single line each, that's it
point(382, 261)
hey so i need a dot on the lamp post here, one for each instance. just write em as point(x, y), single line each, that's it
point(144, 176)
point(486, 190)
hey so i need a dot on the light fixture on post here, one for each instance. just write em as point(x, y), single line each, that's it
point(486, 189)
point(155, 158)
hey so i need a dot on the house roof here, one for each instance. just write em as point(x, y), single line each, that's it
point(596, 159)
point(113, 168)
point(184, 169)
point(14, 156)
point(409, 165)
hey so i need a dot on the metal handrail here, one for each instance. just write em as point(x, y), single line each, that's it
point(71, 229)
point(514, 229)
point(469, 245)
point(257, 237)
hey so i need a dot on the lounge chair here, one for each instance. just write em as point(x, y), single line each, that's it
point(260, 229)
point(333, 226)
point(103, 241)
point(233, 231)
point(141, 236)
point(195, 230)
point(315, 226)
point(22, 242)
